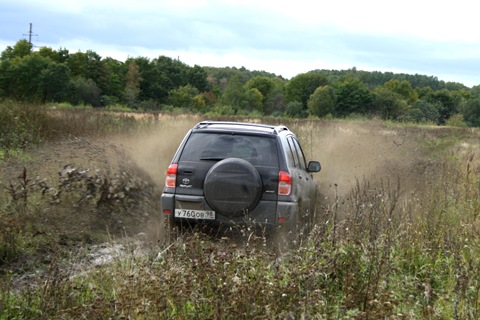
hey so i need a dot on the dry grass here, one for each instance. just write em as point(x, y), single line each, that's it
point(396, 234)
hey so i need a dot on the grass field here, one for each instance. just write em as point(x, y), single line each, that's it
point(81, 234)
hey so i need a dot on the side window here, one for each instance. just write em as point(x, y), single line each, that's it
point(290, 151)
point(301, 157)
point(298, 161)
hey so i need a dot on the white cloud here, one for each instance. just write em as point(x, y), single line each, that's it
point(284, 37)
point(435, 20)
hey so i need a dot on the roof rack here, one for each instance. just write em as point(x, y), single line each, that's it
point(205, 124)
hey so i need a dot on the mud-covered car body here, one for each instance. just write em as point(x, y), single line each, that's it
point(239, 173)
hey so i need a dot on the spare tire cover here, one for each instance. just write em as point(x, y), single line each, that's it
point(233, 187)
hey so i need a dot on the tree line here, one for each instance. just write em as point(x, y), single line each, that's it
point(85, 78)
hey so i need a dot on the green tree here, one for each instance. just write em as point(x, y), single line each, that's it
point(403, 88)
point(77, 63)
point(265, 86)
point(475, 91)
point(89, 65)
point(25, 78)
point(262, 84)
point(97, 71)
point(322, 101)
point(455, 86)
point(421, 111)
point(60, 56)
point(85, 64)
point(254, 100)
point(197, 77)
point(147, 73)
point(388, 104)
point(6, 74)
point(54, 82)
point(352, 97)
point(294, 109)
point(300, 87)
point(423, 92)
point(113, 79)
point(275, 103)
point(234, 94)
point(186, 97)
point(84, 91)
point(167, 75)
point(456, 120)
point(471, 112)
point(21, 49)
point(445, 102)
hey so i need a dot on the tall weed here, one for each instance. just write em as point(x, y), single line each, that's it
point(378, 251)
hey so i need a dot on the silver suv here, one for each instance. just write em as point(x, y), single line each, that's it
point(232, 173)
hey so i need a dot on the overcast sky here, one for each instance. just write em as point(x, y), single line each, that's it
point(435, 38)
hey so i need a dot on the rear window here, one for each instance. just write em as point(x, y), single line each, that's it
point(259, 150)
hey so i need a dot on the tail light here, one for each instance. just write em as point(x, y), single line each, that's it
point(171, 178)
point(284, 183)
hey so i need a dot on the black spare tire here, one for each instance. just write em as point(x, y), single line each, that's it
point(233, 187)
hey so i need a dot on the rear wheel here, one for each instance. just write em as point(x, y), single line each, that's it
point(233, 187)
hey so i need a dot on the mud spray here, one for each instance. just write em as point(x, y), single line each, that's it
point(148, 153)
point(367, 153)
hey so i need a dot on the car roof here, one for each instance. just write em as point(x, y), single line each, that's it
point(239, 127)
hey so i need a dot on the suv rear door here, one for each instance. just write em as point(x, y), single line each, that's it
point(203, 149)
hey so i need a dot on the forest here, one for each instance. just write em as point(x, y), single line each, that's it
point(45, 76)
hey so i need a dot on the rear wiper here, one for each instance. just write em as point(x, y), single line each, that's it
point(212, 158)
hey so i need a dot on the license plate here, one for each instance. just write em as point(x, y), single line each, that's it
point(195, 214)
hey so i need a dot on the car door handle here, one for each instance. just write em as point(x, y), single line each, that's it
point(188, 171)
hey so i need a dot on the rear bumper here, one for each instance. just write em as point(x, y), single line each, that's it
point(269, 213)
